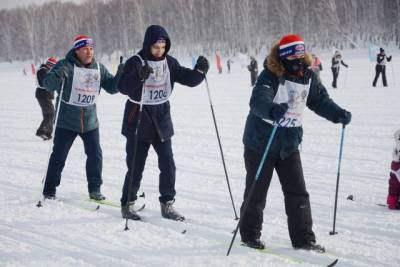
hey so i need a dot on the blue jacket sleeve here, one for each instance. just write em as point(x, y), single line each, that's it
point(262, 97)
point(320, 102)
point(184, 75)
point(129, 83)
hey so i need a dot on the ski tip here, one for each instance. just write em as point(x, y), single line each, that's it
point(333, 263)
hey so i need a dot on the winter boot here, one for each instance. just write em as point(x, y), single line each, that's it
point(49, 196)
point(392, 202)
point(168, 211)
point(254, 243)
point(311, 245)
point(96, 195)
point(130, 212)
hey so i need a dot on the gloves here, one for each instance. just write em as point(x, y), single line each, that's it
point(344, 117)
point(144, 72)
point(202, 65)
point(120, 67)
point(278, 111)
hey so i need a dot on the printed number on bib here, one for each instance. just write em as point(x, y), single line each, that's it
point(287, 122)
point(158, 94)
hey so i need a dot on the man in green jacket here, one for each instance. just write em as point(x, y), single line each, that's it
point(82, 78)
point(284, 88)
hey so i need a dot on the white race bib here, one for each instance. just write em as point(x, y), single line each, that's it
point(295, 95)
point(85, 86)
point(157, 88)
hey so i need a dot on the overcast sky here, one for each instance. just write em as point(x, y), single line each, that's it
point(6, 4)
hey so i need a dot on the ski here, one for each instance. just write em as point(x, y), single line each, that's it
point(291, 259)
point(113, 204)
point(333, 263)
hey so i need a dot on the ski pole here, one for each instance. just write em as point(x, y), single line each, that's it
point(39, 204)
point(135, 142)
point(253, 186)
point(337, 181)
point(345, 78)
point(393, 75)
point(220, 147)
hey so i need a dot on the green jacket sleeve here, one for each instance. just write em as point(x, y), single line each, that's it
point(54, 78)
point(108, 81)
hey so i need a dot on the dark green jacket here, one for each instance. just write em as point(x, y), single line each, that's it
point(74, 118)
point(287, 140)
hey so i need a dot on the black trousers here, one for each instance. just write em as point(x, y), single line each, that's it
point(46, 105)
point(378, 70)
point(335, 73)
point(297, 204)
point(63, 140)
point(166, 165)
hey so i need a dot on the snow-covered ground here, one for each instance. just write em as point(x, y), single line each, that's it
point(72, 233)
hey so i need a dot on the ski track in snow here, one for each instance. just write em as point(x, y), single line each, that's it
point(71, 233)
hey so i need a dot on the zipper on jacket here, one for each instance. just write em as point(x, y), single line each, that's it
point(82, 121)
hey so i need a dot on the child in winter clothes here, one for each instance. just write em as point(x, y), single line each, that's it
point(394, 180)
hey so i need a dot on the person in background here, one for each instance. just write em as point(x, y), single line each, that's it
point(393, 197)
point(218, 62)
point(380, 67)
point(228, 64)
point(336, 62)
point(316, 65)
point(253, 68)
point(45, 99)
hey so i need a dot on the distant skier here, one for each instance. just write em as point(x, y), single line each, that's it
point(155, 71)
point(82, 77)
point(281, 93)
point(253, 68)
point(393, 197)
point(336, 61)
point(380, 67)
point(228, 64)
point(218, 62)
point(316, 65)
point(45, 99)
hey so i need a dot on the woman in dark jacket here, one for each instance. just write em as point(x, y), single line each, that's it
point(154, 71)
point(284, 88)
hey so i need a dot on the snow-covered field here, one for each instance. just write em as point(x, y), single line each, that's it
point(72, 233)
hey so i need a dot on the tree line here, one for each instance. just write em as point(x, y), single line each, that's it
point(195, 26)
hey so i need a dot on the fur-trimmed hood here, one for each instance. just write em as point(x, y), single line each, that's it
point(274, 64)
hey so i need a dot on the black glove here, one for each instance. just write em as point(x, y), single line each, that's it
point(278, 111)
point(121, 67)
point(202, 65)
point(144, 71)
point(344, 117)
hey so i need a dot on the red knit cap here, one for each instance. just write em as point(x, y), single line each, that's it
point(291, 46)
point(82, 41)
point(51, 61)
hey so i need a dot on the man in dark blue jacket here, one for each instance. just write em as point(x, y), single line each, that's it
point(283, 90)
point(148, 79)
